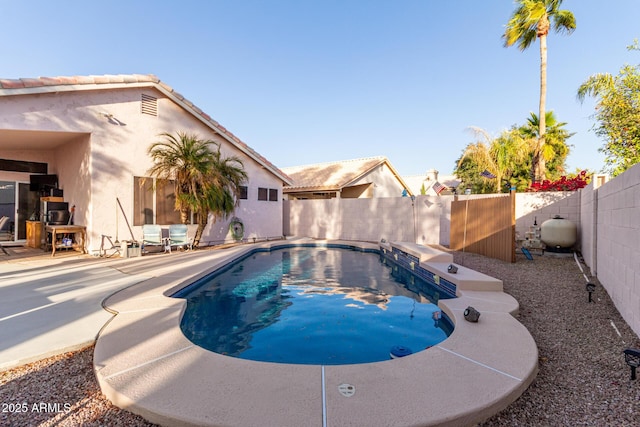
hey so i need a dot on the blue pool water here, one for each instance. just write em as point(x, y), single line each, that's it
point(321, 306)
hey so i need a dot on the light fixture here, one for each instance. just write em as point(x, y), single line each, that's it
point(111, 119)
point(590, 288)
point(471, 314)
point(452, 269)
point(632, 357)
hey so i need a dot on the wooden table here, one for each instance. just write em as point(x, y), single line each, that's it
point(76, 230)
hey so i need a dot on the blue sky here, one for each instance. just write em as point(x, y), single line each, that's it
point(305, 81)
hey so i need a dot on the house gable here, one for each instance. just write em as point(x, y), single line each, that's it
point(367, 177)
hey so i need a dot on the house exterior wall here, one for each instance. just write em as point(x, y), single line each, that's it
point(98, 165)
point(385, 182)
point(43, 156)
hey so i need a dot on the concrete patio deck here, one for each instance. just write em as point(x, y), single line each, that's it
point(144, 364)
point(52, 305)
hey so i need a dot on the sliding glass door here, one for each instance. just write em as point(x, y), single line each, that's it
point(7, 209)
point(19, 204)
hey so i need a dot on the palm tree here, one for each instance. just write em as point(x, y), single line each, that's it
point(204, 181)
point(532, 19)
point(222, 195)
point(500, 156)
point(476, 158)
point(509, 151)
point(555, 150)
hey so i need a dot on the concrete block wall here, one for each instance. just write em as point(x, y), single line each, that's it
point(617, 252)
point(588, 217)
point(539, 207)
point(394, 218)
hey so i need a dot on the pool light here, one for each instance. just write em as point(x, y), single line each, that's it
point(452, 269)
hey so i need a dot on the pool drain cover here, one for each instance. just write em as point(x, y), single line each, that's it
point(347, 390)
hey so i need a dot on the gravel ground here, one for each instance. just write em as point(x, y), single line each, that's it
point(583, 380)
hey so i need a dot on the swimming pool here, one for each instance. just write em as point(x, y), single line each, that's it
point(312, 305)
point(145, 364)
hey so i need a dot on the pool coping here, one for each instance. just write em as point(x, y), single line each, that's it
point(144, 364)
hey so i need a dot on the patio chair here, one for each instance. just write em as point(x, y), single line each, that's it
point(3, 221)
point(152, 236)
point(179, 236)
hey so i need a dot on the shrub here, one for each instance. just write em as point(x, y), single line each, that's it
point(562, 184)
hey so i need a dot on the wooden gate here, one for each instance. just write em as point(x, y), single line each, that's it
point(485, 226)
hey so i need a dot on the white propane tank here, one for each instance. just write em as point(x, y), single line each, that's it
point(558, 233)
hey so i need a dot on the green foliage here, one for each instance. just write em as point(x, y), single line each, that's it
point(469, 168)
point(555, 150)
point(205, 182)
point(617, 115)
point(531, 18)
point(509, 156)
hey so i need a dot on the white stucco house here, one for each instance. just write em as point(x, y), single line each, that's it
point(93, 132)
point(369, 177)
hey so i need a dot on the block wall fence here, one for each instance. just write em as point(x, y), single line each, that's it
point(607, 215)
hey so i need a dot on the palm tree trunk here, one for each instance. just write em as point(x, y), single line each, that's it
point(184, 216)
point(203, 219)
point(539, 166)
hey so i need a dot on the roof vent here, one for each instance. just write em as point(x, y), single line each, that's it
point(149, 105)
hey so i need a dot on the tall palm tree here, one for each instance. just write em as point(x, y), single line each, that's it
point(532, 19)
point(204, 181)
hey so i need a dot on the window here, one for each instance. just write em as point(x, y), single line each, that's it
point(166, 212)
point(270, 194)
point(244, 192)
point(154, 201)
point(142, 200)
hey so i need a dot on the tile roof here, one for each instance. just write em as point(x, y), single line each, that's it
point(331, 176)
point(26, 86)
